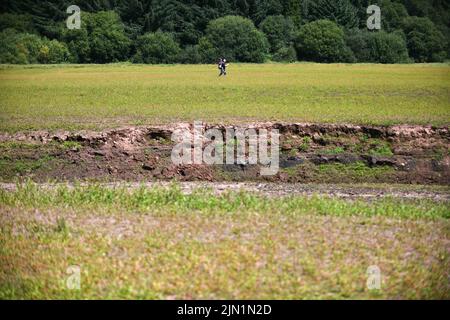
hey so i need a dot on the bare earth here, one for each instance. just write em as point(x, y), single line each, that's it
point(310, 153)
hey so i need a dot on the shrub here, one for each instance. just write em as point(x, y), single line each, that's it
point(208, 54)
point(393, 14)
point(236, 38)
point(190, 54)
point(425, 42)
point(280, 32)
point(53, 52)
point(158, 47)
point(321, 41)
point(342, 12)
point(101, 38)
point(285, 54)
point(9, 51)
point(380, 47)
point(22, 48)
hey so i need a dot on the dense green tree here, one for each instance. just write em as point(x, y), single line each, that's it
point(10, 49)
point(237, 39)
point(293, 11)
point(425, 42)
point(437, 11)
point(101, 38)
point(107, 38)
point(190, 54)
point(19, 22)
point(321, 41)
point(267, 8)
point(285, 54)
point(279, 31)
point(361, 11)
point(45, 15)
point(419, 8)
point(245, 8)
point(379, 47)
point(24, 48)
point(208, 53)
point(53, 51)
point(393, 15)
point(187, 19)
point(158, 47)
point(341, 12)
point(30, 45)
point(78, 43)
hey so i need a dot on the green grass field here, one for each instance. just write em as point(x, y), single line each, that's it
point(163, 244)
point(104, 96)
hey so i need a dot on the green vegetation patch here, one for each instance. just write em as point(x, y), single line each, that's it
point(159, 198)
point(105, 96)
point(22, 158)
point(354, 170)
point(162, 244)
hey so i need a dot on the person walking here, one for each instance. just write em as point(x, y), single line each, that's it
point(222, 67)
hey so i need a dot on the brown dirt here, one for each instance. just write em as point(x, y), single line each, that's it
point(323, 153)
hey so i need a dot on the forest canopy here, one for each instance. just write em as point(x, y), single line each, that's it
point(201, 31)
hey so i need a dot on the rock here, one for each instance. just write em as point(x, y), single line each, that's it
point(160, 134)
point(291, 162)
point(347, 158)
point(381, 161)
point(373, 132)
point(99, 153)
point(283, 176)
point(112, 170)
point(148, 166)
point(138, 157)
point(316, 137)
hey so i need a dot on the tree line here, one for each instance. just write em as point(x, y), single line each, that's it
point(200, 31)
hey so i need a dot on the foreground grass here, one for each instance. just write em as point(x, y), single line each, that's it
point(160, 243)
point(99, 96)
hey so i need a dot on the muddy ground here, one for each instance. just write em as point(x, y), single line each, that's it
point(310, 153)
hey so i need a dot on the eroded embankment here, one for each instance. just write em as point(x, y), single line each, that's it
point(322, 153)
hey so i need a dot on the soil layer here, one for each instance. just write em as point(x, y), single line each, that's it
point(310, 153)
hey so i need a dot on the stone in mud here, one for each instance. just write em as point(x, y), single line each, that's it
point(61, 136)
point(235, 167)
point(380, 161)
point(291, 162)
point(100, 153)
point(148, 166)
point(441, 165)
point(346, 158)
point(374, 132)
point(159, 134)
point(112, 170)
